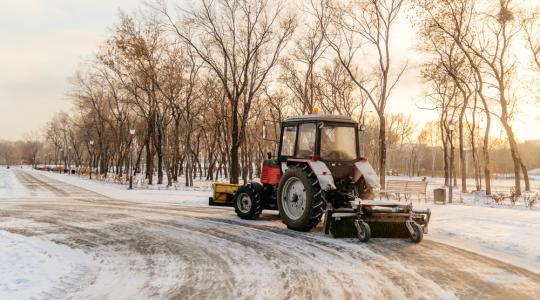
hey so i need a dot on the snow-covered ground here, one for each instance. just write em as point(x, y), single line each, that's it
point(85, 249)
point(534, 175)
point(10, 187)
point(511, 235)
point(32, 266)
point(182, 196)
point(508, 233)
point(38, 268)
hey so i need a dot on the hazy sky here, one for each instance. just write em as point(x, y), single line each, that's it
point(42, 43)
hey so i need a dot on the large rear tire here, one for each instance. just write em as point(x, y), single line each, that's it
point(248, 202)
point(300, 199)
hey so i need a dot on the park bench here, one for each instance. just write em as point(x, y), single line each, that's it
point(404, 188)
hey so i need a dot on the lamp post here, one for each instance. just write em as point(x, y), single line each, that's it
point(63, 158)
point(451, 127)
point(131, 133)
point(69, 161)
point(91, 157)
point(362, 129)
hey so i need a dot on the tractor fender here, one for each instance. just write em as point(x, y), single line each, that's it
point(319, 168)
point(362, 168)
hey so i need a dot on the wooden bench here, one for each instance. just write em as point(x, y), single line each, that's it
point(405, 188)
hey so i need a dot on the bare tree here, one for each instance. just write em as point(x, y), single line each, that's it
point(338, 93)
point(299, 68)
point(493, 49)
point(360, 24)
point(530, 22)
point(240, 41)
point(454, 19)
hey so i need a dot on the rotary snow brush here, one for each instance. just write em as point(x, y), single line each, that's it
point(366, 219)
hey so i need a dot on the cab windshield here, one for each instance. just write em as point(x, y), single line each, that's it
point(338, 143)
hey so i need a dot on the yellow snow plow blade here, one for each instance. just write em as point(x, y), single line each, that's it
point(223, 194)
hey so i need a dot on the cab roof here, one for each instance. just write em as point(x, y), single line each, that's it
point(318, 117)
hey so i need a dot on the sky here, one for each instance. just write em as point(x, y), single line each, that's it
point(43, 42)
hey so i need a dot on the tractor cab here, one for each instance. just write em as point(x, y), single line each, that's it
point(327, 138)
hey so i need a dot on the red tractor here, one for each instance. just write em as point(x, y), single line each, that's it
point(318, 171)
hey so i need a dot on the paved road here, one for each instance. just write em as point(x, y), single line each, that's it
point(171, 251)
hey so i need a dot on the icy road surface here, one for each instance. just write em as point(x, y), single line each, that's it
point(62, 241)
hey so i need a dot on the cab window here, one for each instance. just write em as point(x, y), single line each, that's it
point(338, 143)
point(289, 139)
point(306, 140)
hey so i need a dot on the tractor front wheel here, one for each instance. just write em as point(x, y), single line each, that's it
point(247, 201)
point(300, 199)
point(417, 233)
point(363, 230)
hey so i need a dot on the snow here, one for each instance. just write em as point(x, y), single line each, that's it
point(10, 187)
point(186, 196)
point(32, 268)
point(37, 268)
point(507, 234)
point(534, 174)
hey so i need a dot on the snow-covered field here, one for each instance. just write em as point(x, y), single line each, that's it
point(59, 239)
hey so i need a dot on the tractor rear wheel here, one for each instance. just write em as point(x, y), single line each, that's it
point(300, 199)
point(248, 200)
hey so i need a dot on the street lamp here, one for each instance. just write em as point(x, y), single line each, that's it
point(362, 129)
point(91, 157)
point(62, 158)
point(69, 161)
point(131, 133)
point(451, 128)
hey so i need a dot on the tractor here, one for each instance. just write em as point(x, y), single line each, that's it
point(319, 171)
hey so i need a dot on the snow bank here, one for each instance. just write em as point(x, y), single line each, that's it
point(507, 234)
point(10, 187)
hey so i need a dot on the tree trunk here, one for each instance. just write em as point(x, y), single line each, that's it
point(159, 149)
point(149, 161)
point(487, 162)
point(446, 157)
point(382, 150)
point(525, 176)
point(462, 158)
point(234, 164)
point(515, 155)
